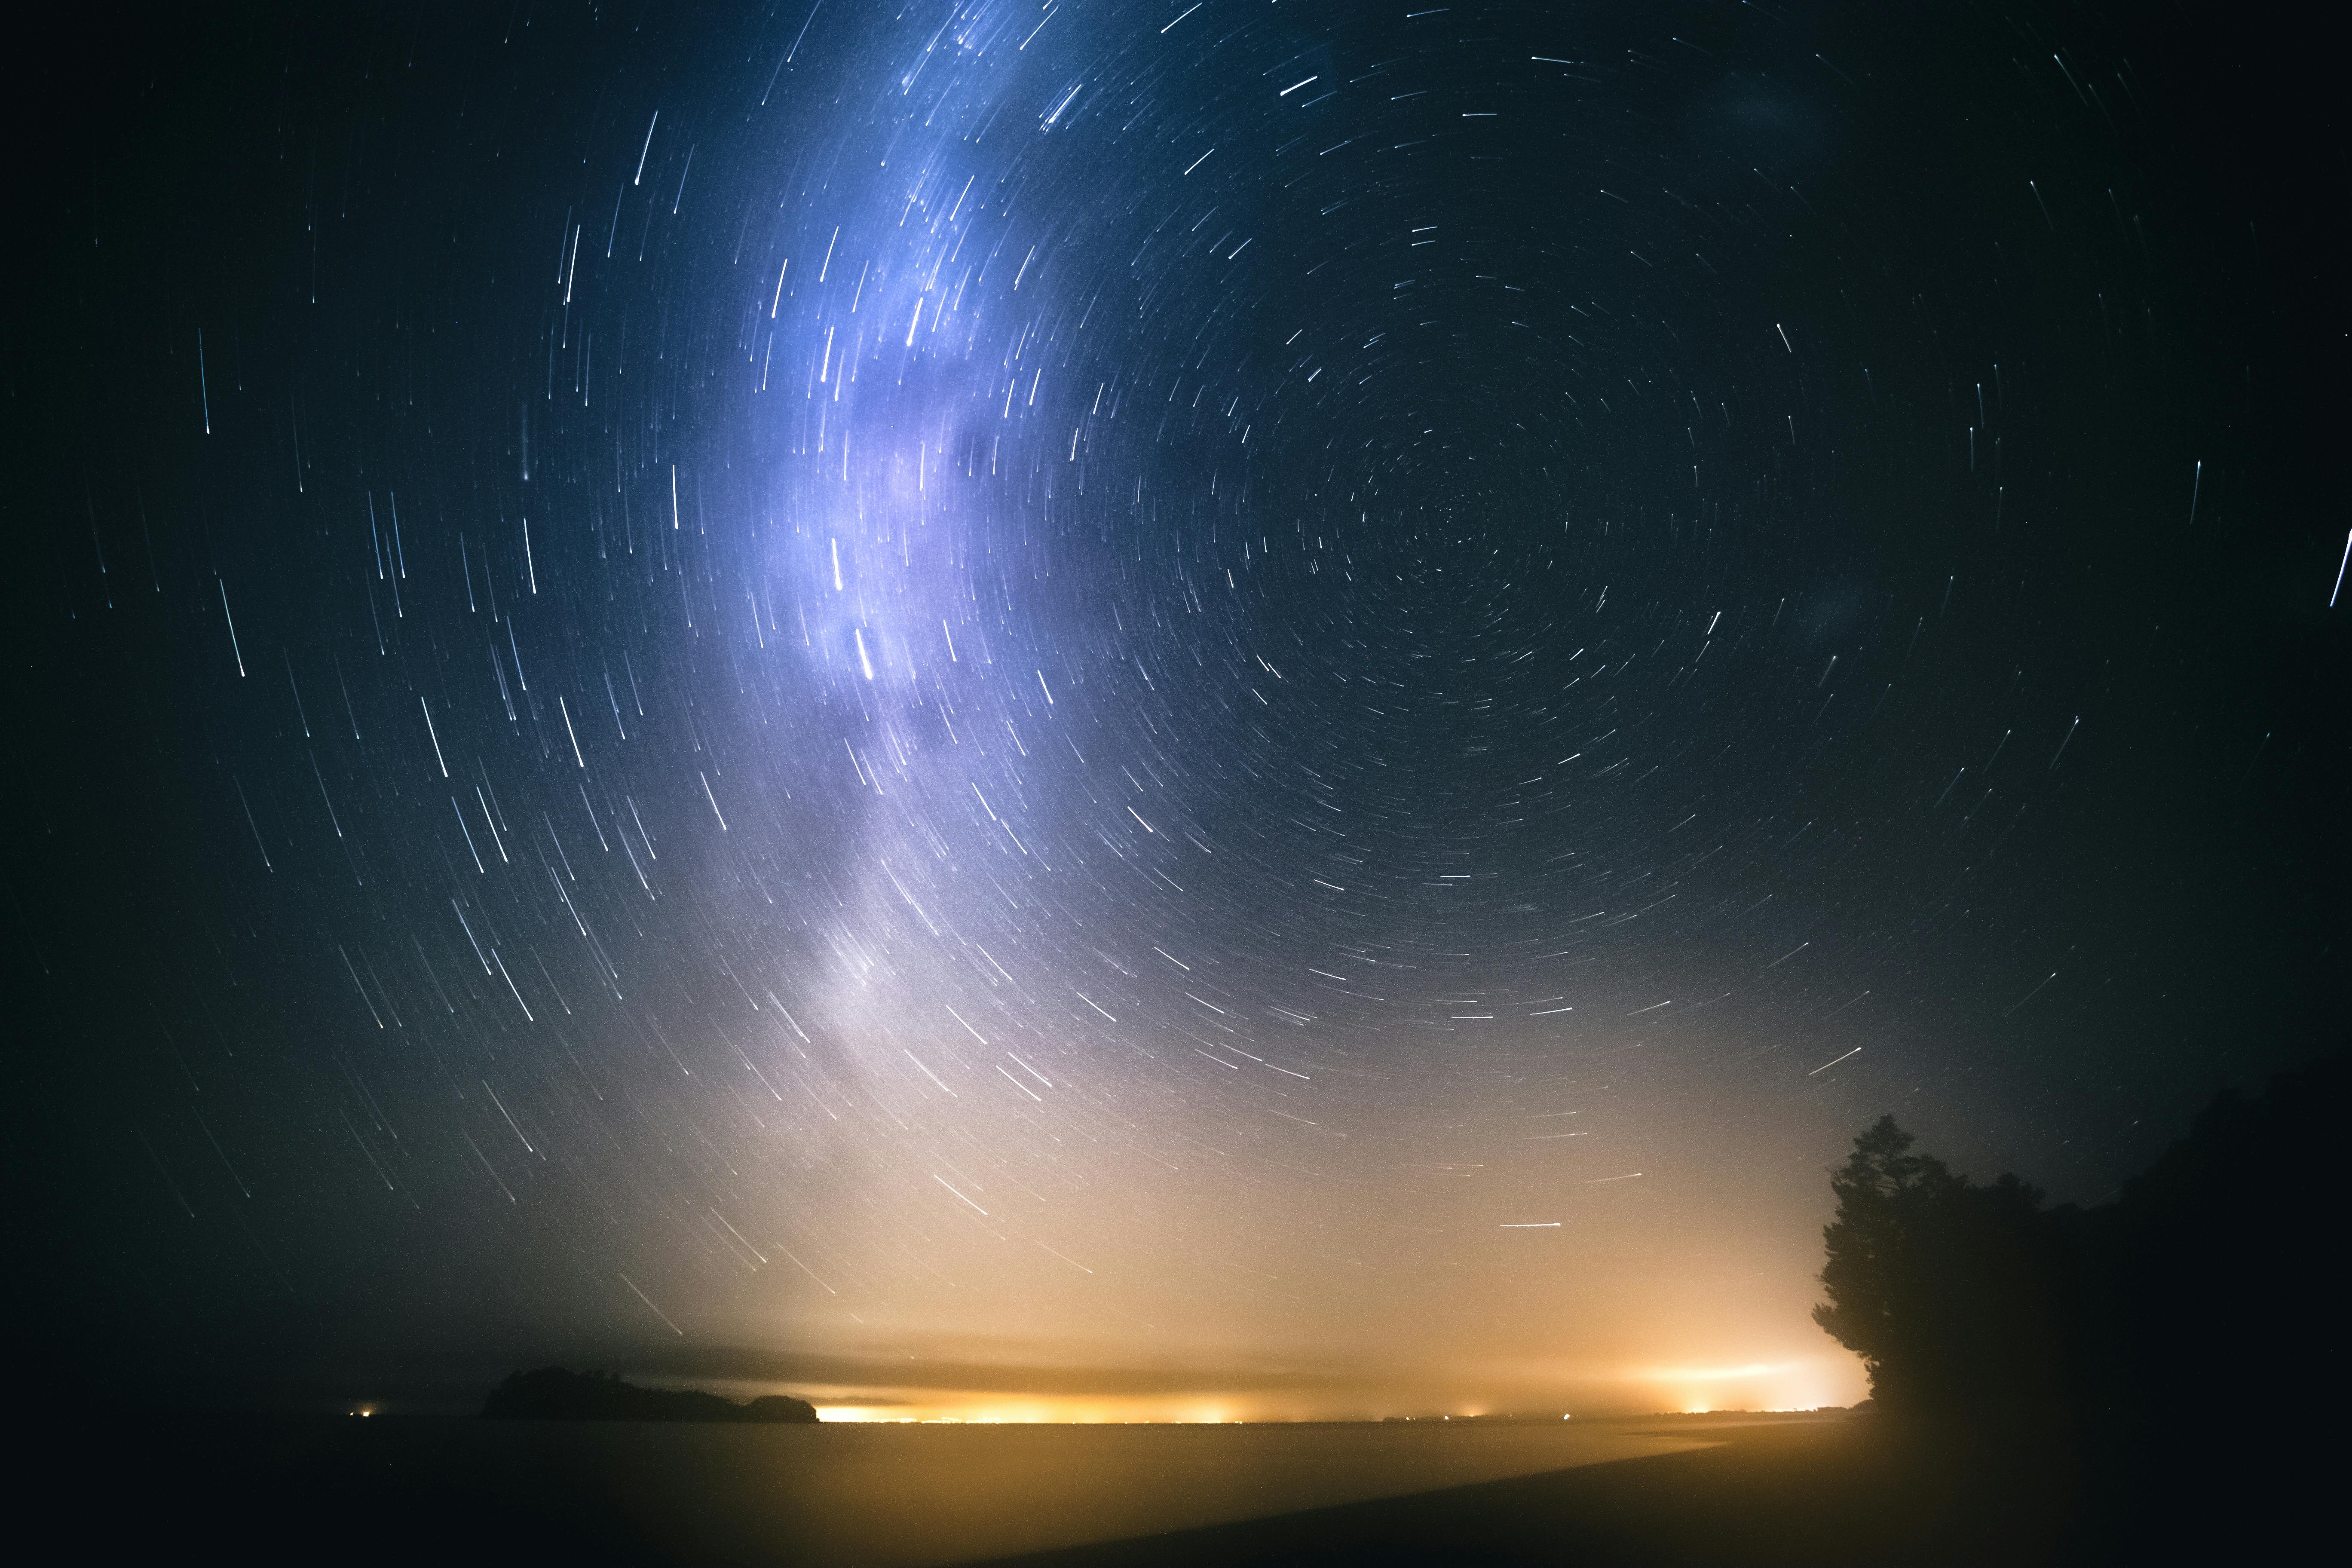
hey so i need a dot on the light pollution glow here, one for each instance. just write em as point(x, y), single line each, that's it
point(1800, 1383)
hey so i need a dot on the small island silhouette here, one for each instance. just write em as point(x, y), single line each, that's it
point(558, 1393)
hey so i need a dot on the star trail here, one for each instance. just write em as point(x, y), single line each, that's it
point(1297, 703)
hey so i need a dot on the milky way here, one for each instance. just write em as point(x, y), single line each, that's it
point(1098, 685)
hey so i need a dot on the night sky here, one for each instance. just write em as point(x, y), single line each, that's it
point(1260, 710)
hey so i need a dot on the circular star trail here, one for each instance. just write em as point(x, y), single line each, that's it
point(1295, 701)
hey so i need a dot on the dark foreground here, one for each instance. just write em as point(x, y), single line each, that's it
point(1802, 1493)
point(1820, 1494)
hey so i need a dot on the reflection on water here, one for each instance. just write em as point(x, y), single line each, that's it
point(878, 1496)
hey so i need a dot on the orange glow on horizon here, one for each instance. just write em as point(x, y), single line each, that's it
point(1811, 1384)
point(1787, 1385)
point(997, 1408)
point(1546, 1388)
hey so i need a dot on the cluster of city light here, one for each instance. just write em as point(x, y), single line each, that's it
point(999, 1409)
point(1809, 1383)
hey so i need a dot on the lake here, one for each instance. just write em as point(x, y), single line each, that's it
point(889, 1496)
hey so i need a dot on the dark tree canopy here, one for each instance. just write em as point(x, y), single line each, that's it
point(2178, 1304)
point(1944, 1287)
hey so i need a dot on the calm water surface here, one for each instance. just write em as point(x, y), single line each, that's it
point(867, 1495)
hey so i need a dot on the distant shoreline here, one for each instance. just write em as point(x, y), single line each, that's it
point(557, 1393)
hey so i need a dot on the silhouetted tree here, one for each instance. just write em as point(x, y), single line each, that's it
point(1870, 1272)
point(2181, 1335)
point(1947, 1291)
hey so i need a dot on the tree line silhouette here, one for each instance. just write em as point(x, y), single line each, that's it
point(2183, 1335)
point(2179, 1295)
